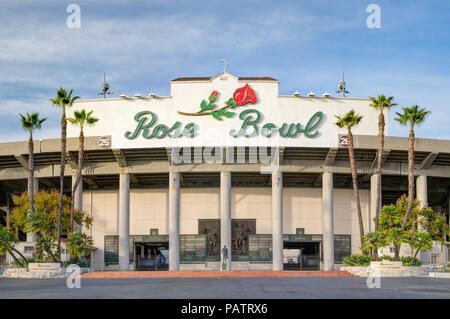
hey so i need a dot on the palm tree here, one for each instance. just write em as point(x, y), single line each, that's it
point(62, 100)
point(80, 119)
point(373, 241)
point(380, 103)
point(411, 116)
point(348, 121)
point(30, 122)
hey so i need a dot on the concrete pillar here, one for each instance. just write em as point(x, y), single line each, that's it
point(78, 198)
point(31, 238)
point(373, 201)
point(124, 221)
point(422, 190)
point(225, 217)
point(422, 196)
point(174, 221)
point(277, 220)
point(328, 226)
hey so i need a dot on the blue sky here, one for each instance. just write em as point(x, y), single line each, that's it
point(142, 45)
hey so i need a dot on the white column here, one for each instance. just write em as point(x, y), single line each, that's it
point(174, 221)
point(422, 196)
point(31, 238)
point(422, 191)
point(373, 201)
point(328, 227)
point(124, 221)
point(277, 220)
point(225, 216)
point(78, 198)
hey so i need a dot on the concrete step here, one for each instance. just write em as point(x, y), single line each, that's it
point(212, 274)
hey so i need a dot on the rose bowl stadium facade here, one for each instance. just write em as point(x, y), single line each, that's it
point(226, 161)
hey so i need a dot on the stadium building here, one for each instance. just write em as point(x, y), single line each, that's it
point(227, 161)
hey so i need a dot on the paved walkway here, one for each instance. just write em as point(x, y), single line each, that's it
point(227, 288)
point(214, 274)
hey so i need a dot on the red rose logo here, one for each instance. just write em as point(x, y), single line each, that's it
point(244, 95)
point(213, 96)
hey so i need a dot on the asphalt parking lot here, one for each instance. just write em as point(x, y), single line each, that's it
point(227, 288)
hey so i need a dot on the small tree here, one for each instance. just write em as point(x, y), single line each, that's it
point(420, 241)
point(392, 218)
point(45, 245)
point(373, 241)
point(396, 236)
point(7, 241)
point(46, 222)
point(79, 244)
point(36, 224)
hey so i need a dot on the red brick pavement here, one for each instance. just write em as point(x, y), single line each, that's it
point(213, 274)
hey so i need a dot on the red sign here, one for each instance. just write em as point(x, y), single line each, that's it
point(343, 141)
point(104, 142)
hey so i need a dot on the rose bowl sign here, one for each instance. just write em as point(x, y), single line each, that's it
point(222, 111)
point(104, 142)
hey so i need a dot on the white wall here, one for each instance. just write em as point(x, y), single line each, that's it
point(148, 209)
point(102, 205)
point(302, 208)
point(253, 203)
point(197, 204)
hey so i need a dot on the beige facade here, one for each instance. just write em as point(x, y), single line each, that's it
point(149, 209)
point(132, 186)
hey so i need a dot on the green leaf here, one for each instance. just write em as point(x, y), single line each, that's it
point(230, 101)
point(203, 106)
point(216, 115)
point(228, 114)
point(211, 106)
point(233, 105)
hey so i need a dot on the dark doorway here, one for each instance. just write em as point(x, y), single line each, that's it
point(151, 256)
point(301, 255)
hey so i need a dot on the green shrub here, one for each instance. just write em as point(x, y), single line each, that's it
point(410, 261)
point(386, 257)
point(357, 260)
point(83, 263)
point(29, 260)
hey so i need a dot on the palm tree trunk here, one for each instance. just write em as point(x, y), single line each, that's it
point(15, 258)
point(61, 177)
point(21, 256)
point(78, 178)
point(410, 177)
point(381, 125)
point(31, 172)
point(355, 186)
point(415, 255)
point(52, 256)
point(397, 252)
